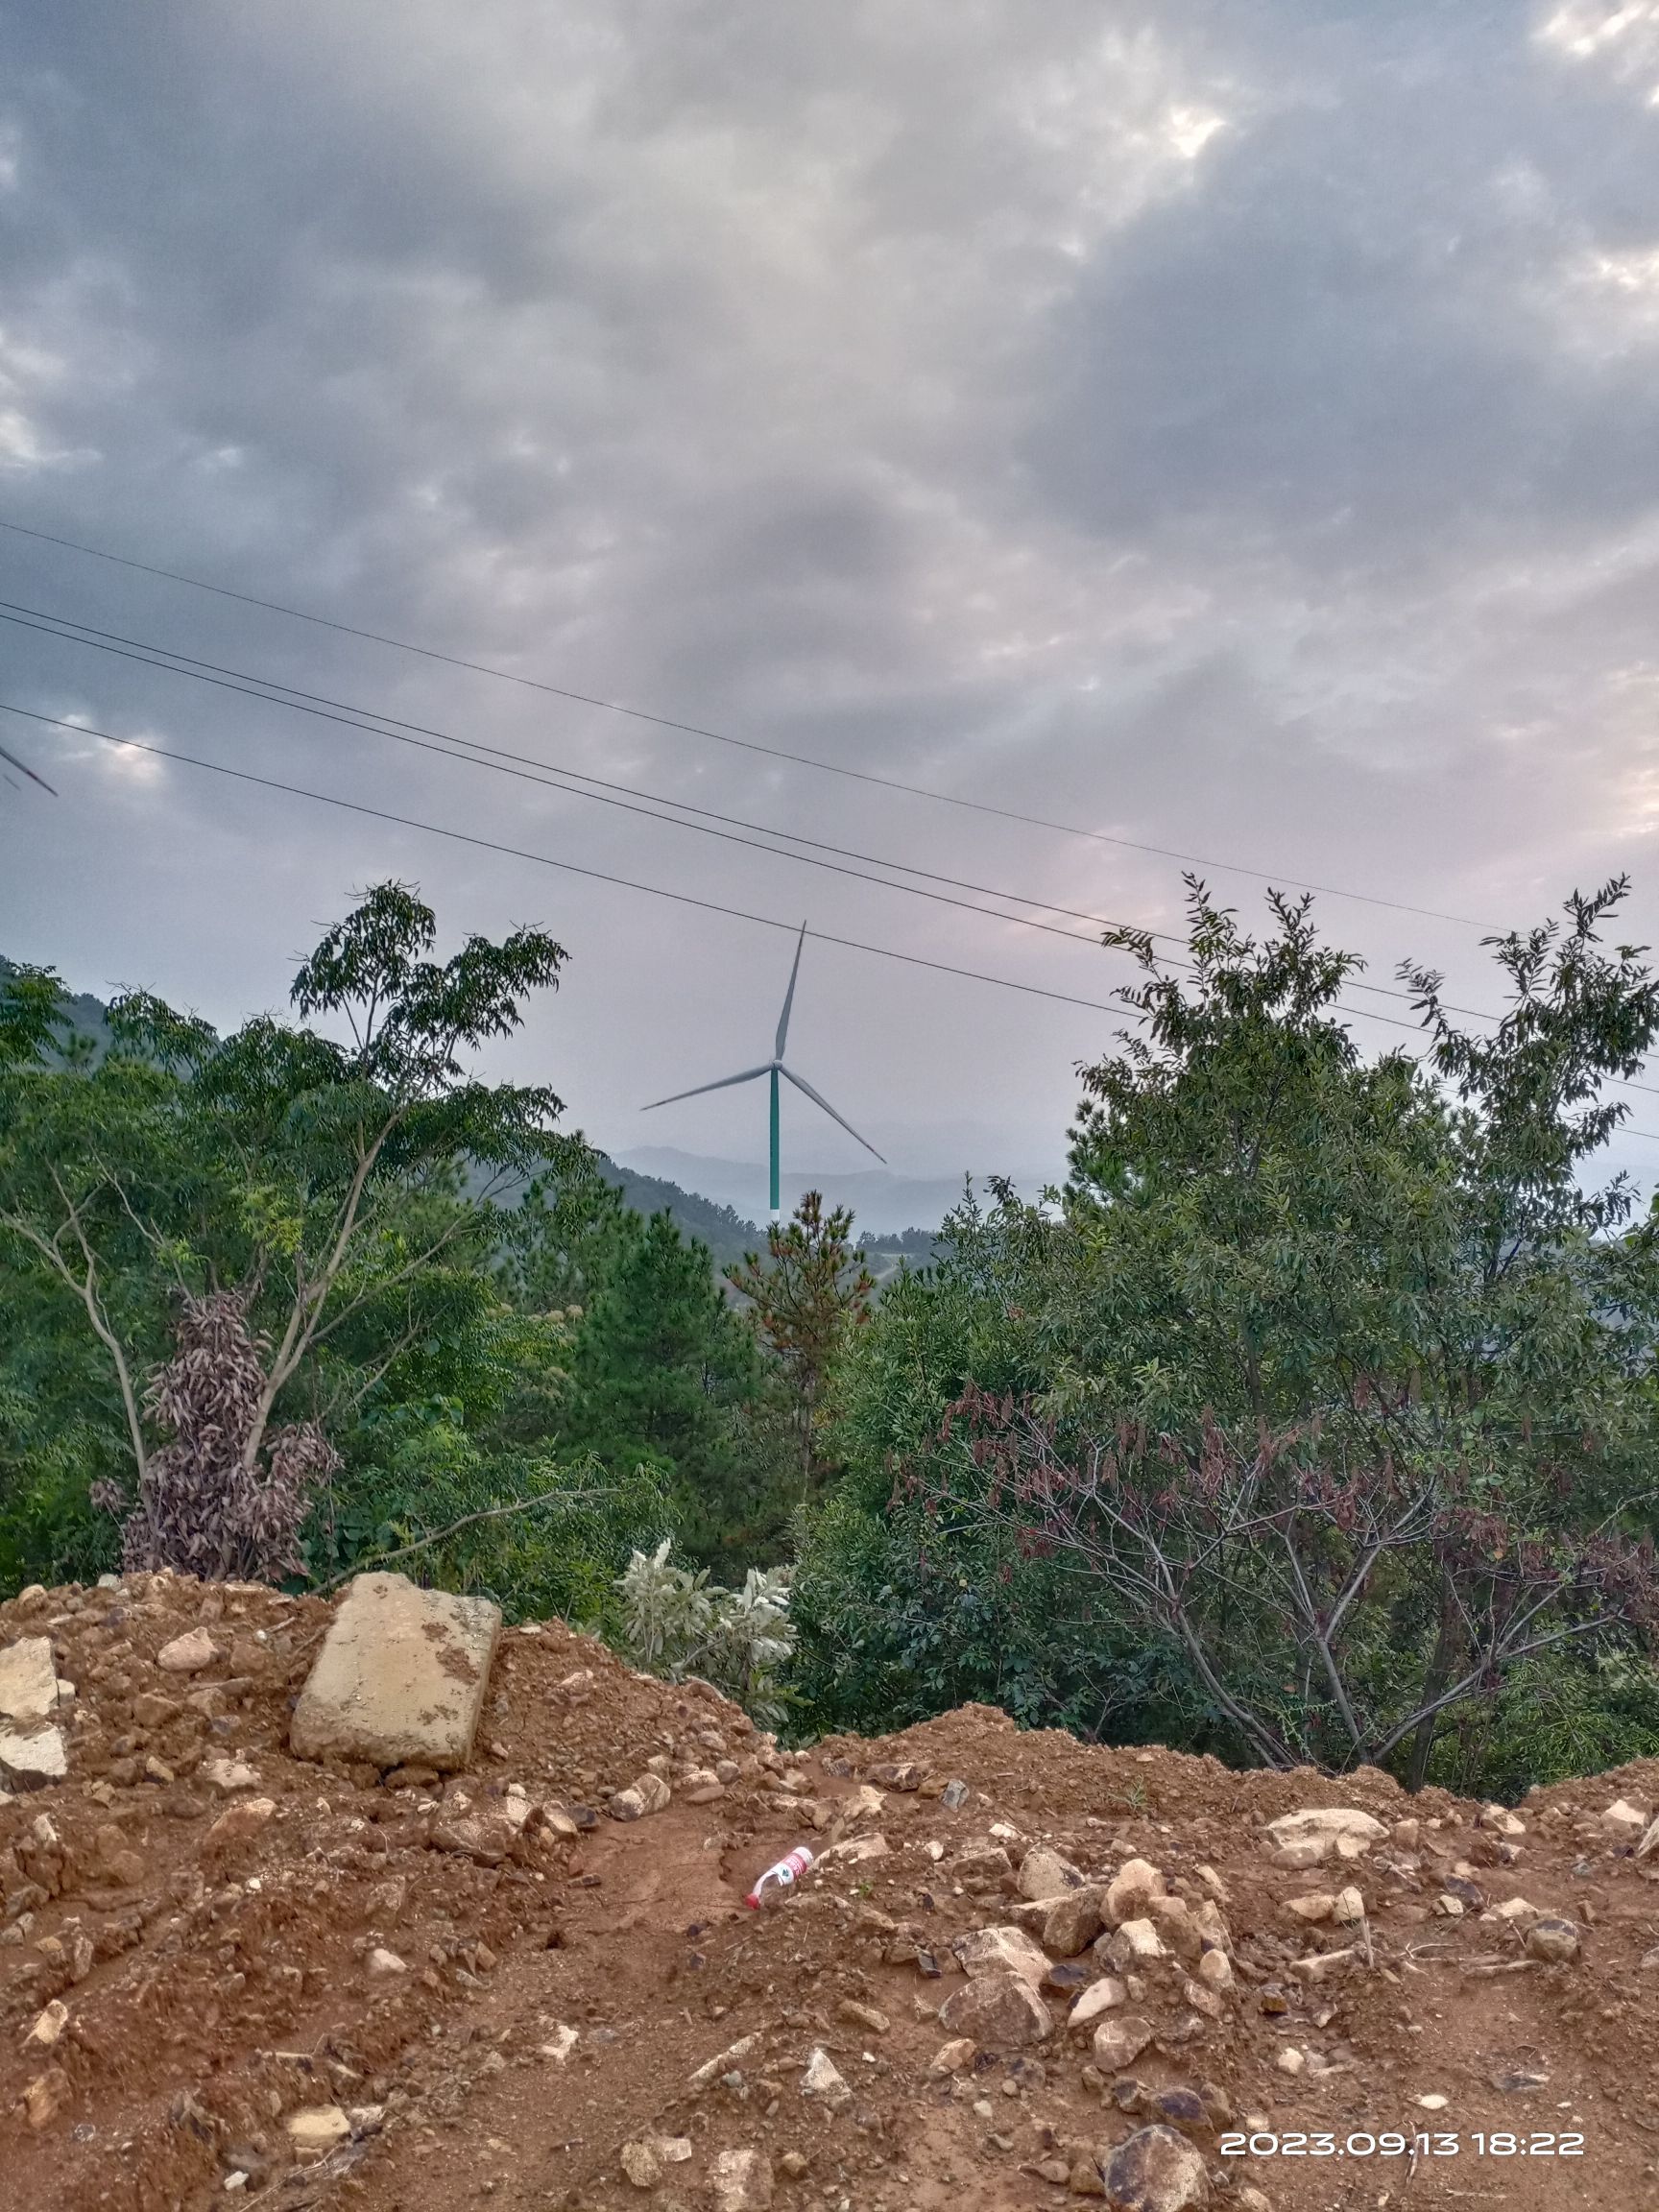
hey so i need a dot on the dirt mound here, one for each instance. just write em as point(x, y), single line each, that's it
point(1020, 1970)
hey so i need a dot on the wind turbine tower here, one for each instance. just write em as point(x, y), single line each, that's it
point(773, 1069)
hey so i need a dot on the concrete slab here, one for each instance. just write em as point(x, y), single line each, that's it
point(28, 1679)
point(401, 1676)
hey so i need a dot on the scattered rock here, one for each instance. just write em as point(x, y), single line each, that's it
point(650, 1793)
point(1136, 1944)
point(401, 1676)
point(1000, 2010)
point(1118, 2042)
point(383, 1962)
point(48, 2026)
point(1129, 1891)
point(1043, 1873)
point(28, 1679)
point(1107, 1995)
point(1623, 1821)
point(317, 2131)
point(1323, 1965)
point(955, 1793)
point(1157, 2170)
point(46, 2096)
point(1497, 1817)
point(1553, 1939)
point(1319, 1905)
point(1002, 1951)
point(824, 2080)
point(1320, 1822)
point(32, 1762)
point(702, 1786)
point(641, 2164)
point(856, 1849)
point(229, 1774)
point(741, 2182)
point(187, 1655)
point(863, 2016)
point(238, 1823)
point(1072, 1922)
point(953, 2058)
point(724, 2061)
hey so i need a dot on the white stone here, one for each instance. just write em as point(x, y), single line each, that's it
point(1119, 2041)
point(317, 2131)
point(1003, 1951)
point(1127, 1895)
point(48, 2026)
point(401, 1677)
point(642, 2164)
point(855, 1848)
point(1322, 1821)
point(1000, 2011)
point(1107, 1995)
point(1135, 1941)
point(1043, 1873)
point(382, 1962)
point(229, 1774)
point(187, 1655)
point(724, 2061)
point(649, 1793)
point(740, 2180)
point(824, 2080)
point(1519, 1911)
point(32, 1762)
point(1624, 1822)
point(28, 1679)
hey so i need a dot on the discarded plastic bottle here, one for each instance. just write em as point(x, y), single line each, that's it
point(772, 1885)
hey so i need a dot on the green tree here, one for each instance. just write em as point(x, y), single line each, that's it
point(1266, 1235)
point(318, 1178)
point(807, 1295)
point(666, 1373)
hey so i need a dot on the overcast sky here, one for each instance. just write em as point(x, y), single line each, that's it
point(1226, 427)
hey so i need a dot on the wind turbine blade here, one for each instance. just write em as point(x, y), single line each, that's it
point(724, 1084)
point(791, 1076)
point(26, 770)
point(789, 996)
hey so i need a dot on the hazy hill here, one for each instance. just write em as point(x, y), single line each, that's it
point(727, 1233)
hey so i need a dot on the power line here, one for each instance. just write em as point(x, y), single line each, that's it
point(723, 738)
point(568, 867)
point(629, 884)
point(425, 738)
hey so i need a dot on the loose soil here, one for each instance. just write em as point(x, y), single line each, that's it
point(219, 1974)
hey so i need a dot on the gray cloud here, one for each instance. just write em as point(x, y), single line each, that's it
point(1230, 427)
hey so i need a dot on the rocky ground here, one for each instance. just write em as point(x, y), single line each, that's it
point(1022, 1971)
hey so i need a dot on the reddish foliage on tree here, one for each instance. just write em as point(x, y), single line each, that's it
point(203, 1508)
point(1315, 1593)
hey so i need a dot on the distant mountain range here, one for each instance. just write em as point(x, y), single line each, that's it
point(727, 1233)
point(881, 1202)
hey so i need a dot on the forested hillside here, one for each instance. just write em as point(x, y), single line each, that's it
point(1311, 1423)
